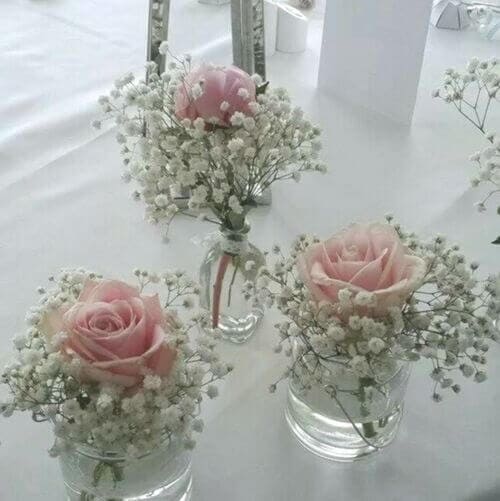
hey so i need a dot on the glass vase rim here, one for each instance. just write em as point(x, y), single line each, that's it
point(94, 453)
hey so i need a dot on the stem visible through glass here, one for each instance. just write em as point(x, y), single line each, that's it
point(219, 279)
point(116, 472)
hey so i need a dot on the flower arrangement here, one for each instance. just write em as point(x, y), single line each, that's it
point(212, 130)
point(113, 368)
point(369, 298)
point(222, 138)
point(472, 93)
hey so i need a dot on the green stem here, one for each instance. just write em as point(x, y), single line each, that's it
point(382, 422)
point(217, 292)
point(116, 471)
point(369, 430)
point(353, 424)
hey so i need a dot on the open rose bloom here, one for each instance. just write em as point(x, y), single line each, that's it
point(116, 333)
point(214, 94)
point(364, 257)
point(357, 311)
point(114, 368)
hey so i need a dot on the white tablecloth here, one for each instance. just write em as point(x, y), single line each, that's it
point(62, 203)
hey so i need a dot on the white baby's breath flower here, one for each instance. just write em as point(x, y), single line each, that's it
point(345, 296)
point(365, 298)
point(235, 205)
point(235, 145)
point(376, 345)
point(249, 265)
point(243, 93)
point(212, 391)
point(107, 414)
point(152, 382)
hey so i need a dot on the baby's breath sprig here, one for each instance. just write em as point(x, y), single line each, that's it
point(472, 93)
point(44, 381)
point(223, 168)
point(448, 321)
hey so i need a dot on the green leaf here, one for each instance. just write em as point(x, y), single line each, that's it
point(261, 89)
point(83, 400)
point(496, 241)
point(98, 472)
point(117, 472)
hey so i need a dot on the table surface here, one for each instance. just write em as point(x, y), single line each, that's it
point(62, 204)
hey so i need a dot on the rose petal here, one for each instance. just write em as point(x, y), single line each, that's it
point(369, 276)
point(162, 360)
point(415, 270)
point(73, 346)
point(154, 311)
point(92, 347)
point(81, 314)
point(305, 275)
point(159, 358)
point(90, 371)
point(346, 270)
point(124, 310)
point(219, 85)
point(88, 288)
point(106, 323)
point(129, 343)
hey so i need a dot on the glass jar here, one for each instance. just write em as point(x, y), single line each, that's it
point(230, 262)
point(347, 417)
point(164, 473)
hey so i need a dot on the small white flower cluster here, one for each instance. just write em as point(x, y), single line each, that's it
point(222, 168)
point(488, 163)
point(108, 417)
point(472, 93)
point(481, 79)
point(448, 321)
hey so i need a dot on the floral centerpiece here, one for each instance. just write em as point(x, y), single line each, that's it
point(113, 370)
point(472, 93)
point(224, 138)
point(359, 308)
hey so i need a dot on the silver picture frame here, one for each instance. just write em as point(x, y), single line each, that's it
point(247, 31)
point(158, 21)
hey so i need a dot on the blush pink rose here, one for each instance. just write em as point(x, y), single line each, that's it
point(364, 257)
point(219, 85)
point(117, 333)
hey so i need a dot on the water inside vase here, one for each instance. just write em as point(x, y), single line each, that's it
point(164, 474)
point(346, 428)
point(225, 270)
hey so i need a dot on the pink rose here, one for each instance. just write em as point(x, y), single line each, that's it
point(224, 90)
point(116, 333)
point(364, 257)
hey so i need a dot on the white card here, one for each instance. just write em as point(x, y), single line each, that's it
point(372, 53)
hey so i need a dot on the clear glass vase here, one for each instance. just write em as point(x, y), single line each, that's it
point(359, 418)
point(163, 474)
point(230, 262)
